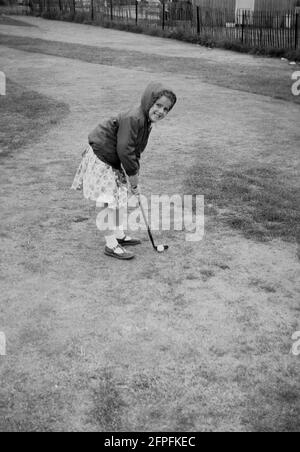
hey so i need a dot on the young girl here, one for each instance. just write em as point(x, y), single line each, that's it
point(110, 165)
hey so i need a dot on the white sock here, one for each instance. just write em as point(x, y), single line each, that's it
point(111, 241)
point(119, 232)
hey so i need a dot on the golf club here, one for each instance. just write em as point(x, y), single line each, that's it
point(158, 248)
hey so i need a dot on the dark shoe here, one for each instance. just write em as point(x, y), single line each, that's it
point(124, 255)
point(128, 241)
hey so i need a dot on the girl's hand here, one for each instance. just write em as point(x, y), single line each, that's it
point(134, 180)
point(135, 190)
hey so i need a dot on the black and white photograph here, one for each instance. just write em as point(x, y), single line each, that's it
point(150, 218)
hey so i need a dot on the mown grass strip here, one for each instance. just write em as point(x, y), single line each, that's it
point(258, 201)
point(25, 116)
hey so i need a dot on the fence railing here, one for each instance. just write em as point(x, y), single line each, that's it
point(273, 29)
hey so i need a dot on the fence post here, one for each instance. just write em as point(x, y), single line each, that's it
point(136, 11)
point(296, 29)
point(111, 10)
point(261, 30)
point(198, 20)
point(92, 10)
point(163, 14)
point(243, 26)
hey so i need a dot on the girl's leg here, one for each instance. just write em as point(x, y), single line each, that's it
point(115, 218)
point(111, 221)
point(122, 238)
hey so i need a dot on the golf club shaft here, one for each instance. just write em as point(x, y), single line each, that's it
point(146, 223)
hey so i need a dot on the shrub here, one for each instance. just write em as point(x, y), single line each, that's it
point(53, 15)
point(293, 55)
point(80, 17)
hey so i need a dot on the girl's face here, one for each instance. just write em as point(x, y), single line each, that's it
point(160, 109)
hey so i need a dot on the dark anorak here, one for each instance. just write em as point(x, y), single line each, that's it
point(121, 140)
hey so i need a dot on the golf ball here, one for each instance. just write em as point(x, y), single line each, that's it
point(160, 248)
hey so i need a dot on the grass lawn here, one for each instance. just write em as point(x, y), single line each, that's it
point(196, 339)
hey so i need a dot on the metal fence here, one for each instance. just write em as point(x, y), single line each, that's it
point(273, 29)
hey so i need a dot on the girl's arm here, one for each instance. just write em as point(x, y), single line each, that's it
point(127, 139)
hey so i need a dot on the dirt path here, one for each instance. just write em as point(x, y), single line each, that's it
point(196, 339)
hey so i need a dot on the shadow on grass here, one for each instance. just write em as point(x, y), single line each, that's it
point(108, 404)
point(255, 200)
point(274, 409)
point(25, 116)
point(4, 20)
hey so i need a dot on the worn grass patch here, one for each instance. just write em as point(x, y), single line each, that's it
point(256, 200)
point(25, 116)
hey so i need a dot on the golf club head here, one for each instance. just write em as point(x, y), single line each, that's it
point(161, 248)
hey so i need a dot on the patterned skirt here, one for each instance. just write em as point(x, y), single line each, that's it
point(100, 182)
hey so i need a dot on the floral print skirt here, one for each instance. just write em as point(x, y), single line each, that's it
point(100, 182)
